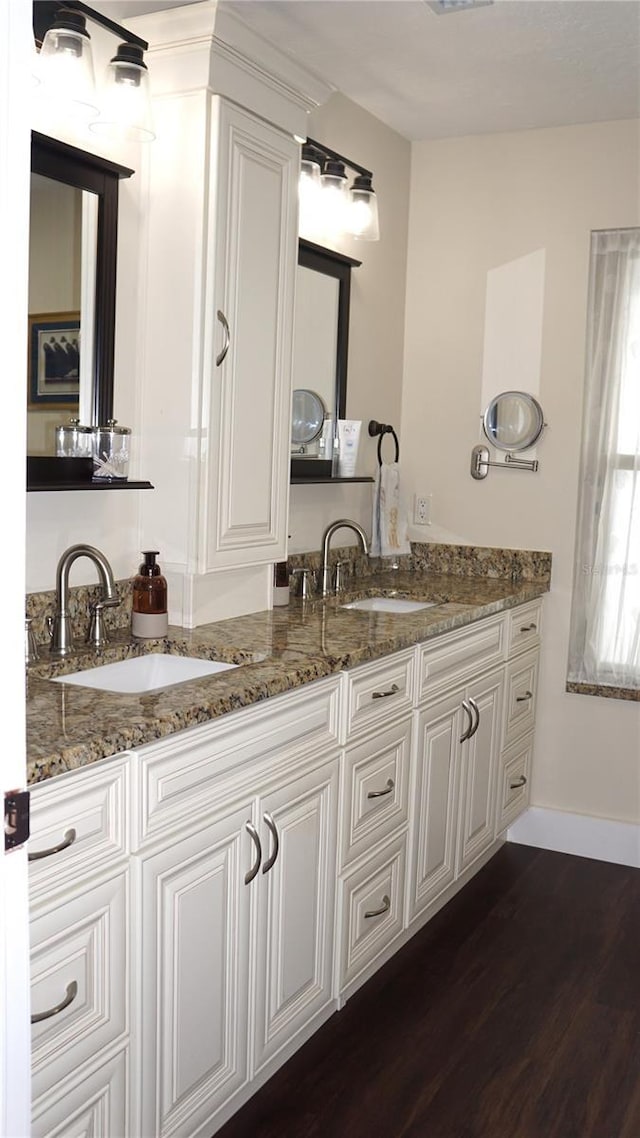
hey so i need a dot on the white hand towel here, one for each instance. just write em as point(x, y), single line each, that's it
point(389, 526)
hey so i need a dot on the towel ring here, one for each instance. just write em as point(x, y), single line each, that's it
point(383, 429)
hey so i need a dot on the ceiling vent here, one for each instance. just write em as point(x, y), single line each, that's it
point(443, 7)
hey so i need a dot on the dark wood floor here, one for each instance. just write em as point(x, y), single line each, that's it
point(514, 1014)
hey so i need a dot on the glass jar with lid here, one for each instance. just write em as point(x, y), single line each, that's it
point(111, 448)
point(73, 440)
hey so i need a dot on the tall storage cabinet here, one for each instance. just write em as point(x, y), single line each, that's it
point(252, 221)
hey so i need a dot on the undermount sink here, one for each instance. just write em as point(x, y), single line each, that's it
point(389, 604)
point(144, 673)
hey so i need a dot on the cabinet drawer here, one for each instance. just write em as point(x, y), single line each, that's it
point(375, 789)
point(95, 1106)
point(513, 782)
point(521, 692)
point(460, 655)
point(78, 822)
point(523, 629)
point(371, 909)
point(79, 958)
point(375, 692)
point(186, 776)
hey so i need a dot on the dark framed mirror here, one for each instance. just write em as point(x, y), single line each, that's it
point(72, 288)
point(321, 350)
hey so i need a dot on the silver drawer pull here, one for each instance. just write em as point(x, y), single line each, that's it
point(384, 908)
point(529, 627)
point(380, 793)
point(524, 698)
point(520, 781)
point(273, 830)
point(255, 838)
point(469, 731)
point(393, 690)
point(68, 840)
point(227, 337)
point(72, 992)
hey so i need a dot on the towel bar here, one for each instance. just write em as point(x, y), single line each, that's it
point(382, 429)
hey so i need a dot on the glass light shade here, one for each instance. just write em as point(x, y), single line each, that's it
point(66, 64)
point(309, 192)
point(335, 198)
point(363, 210)
point(126, 103)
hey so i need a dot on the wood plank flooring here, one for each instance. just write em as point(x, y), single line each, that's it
point(515, 1013)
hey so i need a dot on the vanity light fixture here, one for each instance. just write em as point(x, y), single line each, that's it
point(122, 106)
point(328, 206)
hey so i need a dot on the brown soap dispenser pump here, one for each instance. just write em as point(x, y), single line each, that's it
point(149, 617)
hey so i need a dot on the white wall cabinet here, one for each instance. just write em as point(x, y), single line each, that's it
point(252, 258)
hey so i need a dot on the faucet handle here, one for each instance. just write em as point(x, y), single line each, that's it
point(97, 632)
point(30, 646)
point(342, 574)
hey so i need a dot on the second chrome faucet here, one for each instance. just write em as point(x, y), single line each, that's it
point(325, 584)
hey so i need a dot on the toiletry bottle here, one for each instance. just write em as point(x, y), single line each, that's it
point(281, 583)
point(149, 617)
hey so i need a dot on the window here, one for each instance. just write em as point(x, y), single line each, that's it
point(605, 615)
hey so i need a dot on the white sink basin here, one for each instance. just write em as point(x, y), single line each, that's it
point(389, 604)
point(144, 673)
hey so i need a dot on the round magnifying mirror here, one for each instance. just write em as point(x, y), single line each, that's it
point(513, 421)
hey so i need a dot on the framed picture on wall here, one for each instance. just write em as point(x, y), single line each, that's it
point(54, 358)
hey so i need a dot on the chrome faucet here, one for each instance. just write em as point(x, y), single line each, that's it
point(60, 625)
point(342, 523)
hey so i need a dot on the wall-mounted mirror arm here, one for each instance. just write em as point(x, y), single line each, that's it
point(480, 462)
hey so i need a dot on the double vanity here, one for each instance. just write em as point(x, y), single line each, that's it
point(219, 863)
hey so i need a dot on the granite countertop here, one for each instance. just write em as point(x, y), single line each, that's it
point(69, 726)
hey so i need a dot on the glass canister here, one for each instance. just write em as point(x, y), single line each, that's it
point(74, 441)
point(111, 448)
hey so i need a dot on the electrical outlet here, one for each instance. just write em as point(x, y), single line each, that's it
point(422, 510)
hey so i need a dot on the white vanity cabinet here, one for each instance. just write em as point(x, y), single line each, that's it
point(80, 951)
point(514, 771)
point(236, 872)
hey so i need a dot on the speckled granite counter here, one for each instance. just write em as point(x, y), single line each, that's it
point(70, 726)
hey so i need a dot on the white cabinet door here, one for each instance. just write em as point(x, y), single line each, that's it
point(435, 801)
point(293, 958)
point(247, 374)
point(195, 940)
point(479, 757)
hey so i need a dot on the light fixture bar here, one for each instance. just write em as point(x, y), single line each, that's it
point(325, 152)
point(44, 12)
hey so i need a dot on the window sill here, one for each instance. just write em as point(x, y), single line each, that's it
point(604, 690)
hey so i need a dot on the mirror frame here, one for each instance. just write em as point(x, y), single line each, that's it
point(64, 163)
point(529, 440)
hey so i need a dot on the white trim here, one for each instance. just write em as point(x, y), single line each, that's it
point(581, 834)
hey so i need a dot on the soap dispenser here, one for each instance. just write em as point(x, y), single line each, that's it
point(149, 617)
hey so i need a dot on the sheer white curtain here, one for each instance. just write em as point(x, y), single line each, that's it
point(605, 615)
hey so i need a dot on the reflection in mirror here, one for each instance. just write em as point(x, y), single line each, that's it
point(513, 421)
point(72, 279)
point(321, 340)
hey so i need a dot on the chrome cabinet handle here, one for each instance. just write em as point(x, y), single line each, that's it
point(529, 627)
point(380, 793)
point(273, 830)
point(255, 837)
point(72, 991)
point(69, 839)
point(227, 338)
point(474, 707)
point(520, 781)
point(384, 908)
point(393, 690)
point(523, 698)
point(466, 734)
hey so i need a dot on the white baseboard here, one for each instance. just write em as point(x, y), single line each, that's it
point(599, 838)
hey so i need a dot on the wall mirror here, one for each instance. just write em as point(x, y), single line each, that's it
point(513, 421)
point(72, 289)
point(320, 356)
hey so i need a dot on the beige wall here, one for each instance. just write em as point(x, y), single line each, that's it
point(477, 204)
point(374, 388)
